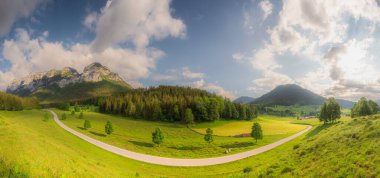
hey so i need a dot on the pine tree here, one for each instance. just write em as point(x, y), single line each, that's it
point(209, 138)
point(256, 132)
point(157, 136)
point(86, 124)
point(108, 128)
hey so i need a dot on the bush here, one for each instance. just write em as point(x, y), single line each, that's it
point(87, 124)
point(108, 128)
point(247, 169)
point(64, 106)
point(296, 147)
point(63, 117)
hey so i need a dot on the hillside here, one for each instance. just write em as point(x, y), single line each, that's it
point(349, 148)
point(244, 99)
point(68, 85)
point(292, 94)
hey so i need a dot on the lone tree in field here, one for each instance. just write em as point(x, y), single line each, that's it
point(72, 112)
point(157, 136)
point(256, 132)
point(63, 117)
point(189, 117)
point(108, 128)
point(87, 124)
point(209, 138)
point(330, 111)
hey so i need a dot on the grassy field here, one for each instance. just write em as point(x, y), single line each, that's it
point(271, 125)
point(31, 147)
point(180, 141)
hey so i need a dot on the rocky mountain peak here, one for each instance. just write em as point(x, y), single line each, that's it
point(94, 72)
point(97, 72)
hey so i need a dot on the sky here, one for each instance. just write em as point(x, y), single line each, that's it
point(231, 48)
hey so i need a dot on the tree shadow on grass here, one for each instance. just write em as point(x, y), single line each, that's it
point(97, 134)
point(81, 128)
point(238, 145)
point(185, 147)
point(144, 144)
point(318, 129)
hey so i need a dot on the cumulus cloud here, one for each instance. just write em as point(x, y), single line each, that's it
point(27, 55)
point(136, 22)
point(187, 77)
point(305, 29)
point(266, 6)
point(188, 74)
point(119, 21)
point(214, 88)
point(90, 21)
point(11, 10)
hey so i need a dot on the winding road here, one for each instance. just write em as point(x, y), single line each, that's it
point(176, 161)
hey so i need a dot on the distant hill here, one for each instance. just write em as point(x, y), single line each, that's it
point(345, 103)
point(292, 94)
point(56, 86)
point(244, 100)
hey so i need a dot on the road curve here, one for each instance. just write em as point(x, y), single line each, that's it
point(176, 161)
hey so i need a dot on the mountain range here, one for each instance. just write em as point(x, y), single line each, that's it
point(244, 100)
point(292, 94)
point(68, 84)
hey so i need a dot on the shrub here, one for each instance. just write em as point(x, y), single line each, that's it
point(108, 128)
point(157, 136)
point(247, 169)
point(63, 117)
point(87, 124)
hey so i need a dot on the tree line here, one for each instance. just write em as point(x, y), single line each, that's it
point(14, 103)
point(364, 107)
point(174, 103)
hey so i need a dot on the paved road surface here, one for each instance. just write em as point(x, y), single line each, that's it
point(177, 161)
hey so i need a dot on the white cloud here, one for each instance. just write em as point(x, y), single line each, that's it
point(305, 29)
point(238, 57)
point(90, 21)
point(136, 22)
point(27, 55)
point(266, 6)
point(11, 10)
point(214, 88)
point(188, 74)
point(247, 20)
point(119, 21)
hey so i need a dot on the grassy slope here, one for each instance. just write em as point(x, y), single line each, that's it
point(79, 91)
point(180, 141)
point(35, 148)
point(271, 125)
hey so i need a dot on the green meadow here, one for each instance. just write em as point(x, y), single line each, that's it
point(180, 141)
point(31, 147)
point(271, 125)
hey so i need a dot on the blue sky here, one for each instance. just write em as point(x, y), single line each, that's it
point(232, 48)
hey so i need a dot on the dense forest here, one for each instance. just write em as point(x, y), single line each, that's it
point(174, 103)
point(14, 103)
